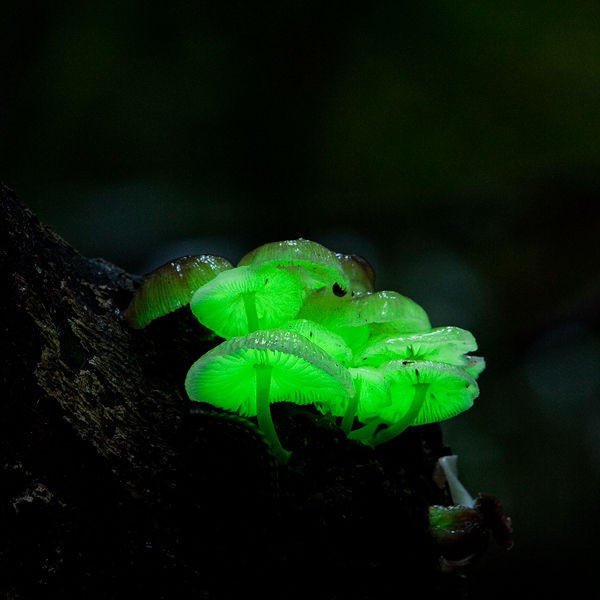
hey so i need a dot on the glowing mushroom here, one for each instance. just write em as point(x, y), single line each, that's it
point(361, 274)
point(246, 374)
point(171, 286)
point(244, 299)
point(326, 339)
point(364, 314)
point(449, 345)
point(371, 393)
point(318, 266)
point(421, 392)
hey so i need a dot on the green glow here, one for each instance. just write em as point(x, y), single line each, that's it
point(171, 286)
point(383, 311)
point(451, 390)
point(263, 412)
point(298, 371)
point(245, 299)
point(249, 299)
point(304, 324)
point(317, 266)
point(329, 341)
point(372, 394)
point(444, 344)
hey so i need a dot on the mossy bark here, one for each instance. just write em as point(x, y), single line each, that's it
point(112, 483)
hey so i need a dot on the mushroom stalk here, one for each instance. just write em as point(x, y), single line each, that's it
point(348, 418)
point(251, 314)
point(374, 435)
point(458, 492)
point(263, 413)
point(397, 428)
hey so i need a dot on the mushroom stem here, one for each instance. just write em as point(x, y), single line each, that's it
point(366, 434)
point(251, 314)
point(398, 427)
point(458, 492)
point(263, 413)
point(348, 418)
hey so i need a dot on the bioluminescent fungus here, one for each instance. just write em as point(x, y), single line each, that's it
point(371, 393)
point(171, 286)
point(329, 341)
point(245, 299)
point(246, 374)
point(421, 392)
point(317, 266)
point(359, 271)
point(448, 345)
point(305, 324)
point(462, 529)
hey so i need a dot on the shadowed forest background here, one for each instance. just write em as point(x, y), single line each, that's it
point(456, 146)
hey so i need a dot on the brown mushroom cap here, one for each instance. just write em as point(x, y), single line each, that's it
point(171, 286)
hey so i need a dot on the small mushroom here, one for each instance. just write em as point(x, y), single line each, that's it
point(461, 531)
point(318, 266)
point(171, 286)
point(246, 374)
point(329, 341)
point(361, 315)
point(449, 466)
point(442, 344)
point(361, 274)
point(245, 299)
point(371, 393)
point(421, 392)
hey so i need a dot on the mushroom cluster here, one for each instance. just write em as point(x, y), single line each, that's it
point(304, 324)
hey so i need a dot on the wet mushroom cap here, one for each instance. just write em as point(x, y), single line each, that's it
point(221, 304)
point(374, 392)
point(449, 345)
point(318, 265)
point(381, 311)
point(301, 372)
point(329, 341)
point(450, 391)
point(171, 286)
point(361, 274)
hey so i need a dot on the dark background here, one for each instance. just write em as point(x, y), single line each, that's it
point(455, 145)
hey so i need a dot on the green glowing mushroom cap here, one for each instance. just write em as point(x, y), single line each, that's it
point(358, 316)
point(318, 266)
point(475, 365)
point(171, 286)
point(361, 274)
point(442, 344)
point(326, 339)
point(373, 391)
point(449, 390)
point(244, 299)
point(300, 372)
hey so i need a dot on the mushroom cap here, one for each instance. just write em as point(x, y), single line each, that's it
point(475, 365)
point(451, 390)
point(326, 339)
point(301, 372)
point(220, 305)
point(171, 286)
point(319, 267)
point(442, 344)
point(395, 311)
point(374, 392)
point(361, 274)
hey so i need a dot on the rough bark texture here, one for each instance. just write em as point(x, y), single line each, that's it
point(112, 483)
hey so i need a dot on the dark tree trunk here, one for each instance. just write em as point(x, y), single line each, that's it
point(112, 483)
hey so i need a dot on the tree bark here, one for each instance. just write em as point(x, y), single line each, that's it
point(113, 482)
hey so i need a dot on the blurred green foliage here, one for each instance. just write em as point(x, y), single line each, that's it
point(454, 144)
